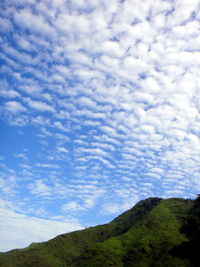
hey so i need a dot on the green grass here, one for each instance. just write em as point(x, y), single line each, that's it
point(143, 236)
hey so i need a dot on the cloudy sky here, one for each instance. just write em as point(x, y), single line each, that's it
point(100, 106)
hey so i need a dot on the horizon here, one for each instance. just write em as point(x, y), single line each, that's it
point(99, 109)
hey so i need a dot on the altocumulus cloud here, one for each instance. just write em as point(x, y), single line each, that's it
point(102, 100)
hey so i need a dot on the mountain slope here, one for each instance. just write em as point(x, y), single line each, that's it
point(150, 234)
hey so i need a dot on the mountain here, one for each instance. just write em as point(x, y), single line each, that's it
point(155, 232)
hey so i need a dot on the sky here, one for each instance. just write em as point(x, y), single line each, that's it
point(99, 108)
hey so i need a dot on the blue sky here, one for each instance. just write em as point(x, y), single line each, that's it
point(99, 109)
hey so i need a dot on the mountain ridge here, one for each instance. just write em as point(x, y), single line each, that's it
point(151, 233)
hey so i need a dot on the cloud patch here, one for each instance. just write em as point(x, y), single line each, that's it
point(26, 229)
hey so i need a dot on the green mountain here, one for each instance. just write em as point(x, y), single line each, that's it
point(156, 232)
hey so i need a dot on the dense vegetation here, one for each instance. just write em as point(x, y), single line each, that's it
point(156, 232)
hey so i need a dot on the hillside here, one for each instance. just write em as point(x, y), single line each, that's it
point(156, 232)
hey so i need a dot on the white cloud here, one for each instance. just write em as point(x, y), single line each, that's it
point(112, 49)
point(5, 25)
point(14, 107)
point(89, 114)
point(39, 105)
point(9, 93)
point(62, 149)
point(47, 165)
point(21, 155)
point(19, 230)
point(40, 188)
point(72, 206)
point(87, 102)
point(35, 23)
point(59, 125)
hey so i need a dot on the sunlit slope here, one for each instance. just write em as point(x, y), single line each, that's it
point(150, 234)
